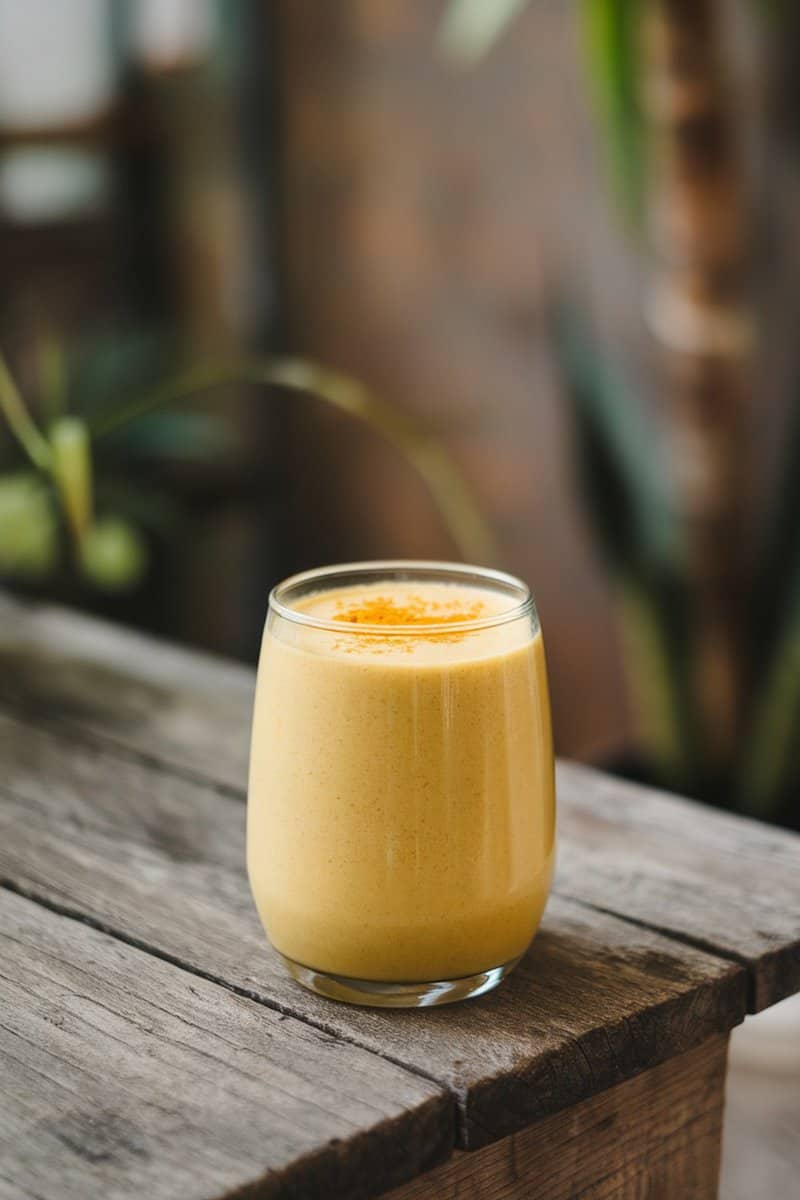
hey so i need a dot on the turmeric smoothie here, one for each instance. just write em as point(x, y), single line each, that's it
point(401, 800)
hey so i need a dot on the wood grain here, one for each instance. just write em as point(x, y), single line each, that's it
point(657, 1136)
point(123, 1076)
point(178, 707)
point(720, 882)
point(159, 859)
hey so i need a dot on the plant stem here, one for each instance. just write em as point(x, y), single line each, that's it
point(52, 369)
point(21, 422)
point(610, 30)
point(444, 481)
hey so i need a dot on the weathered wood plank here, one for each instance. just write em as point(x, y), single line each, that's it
point(161, 859)
point(123, 1076)
point(718, 881)
point(176, 706)
point(658, 1136)
point(722, 882)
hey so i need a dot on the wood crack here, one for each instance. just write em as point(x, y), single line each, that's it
point(73, 914)
point(108, 743)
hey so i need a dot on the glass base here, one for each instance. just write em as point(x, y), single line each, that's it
point(380, 994)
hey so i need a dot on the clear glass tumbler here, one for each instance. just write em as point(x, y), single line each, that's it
point(401, 810)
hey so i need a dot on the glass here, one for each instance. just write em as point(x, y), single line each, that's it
point(401, 808)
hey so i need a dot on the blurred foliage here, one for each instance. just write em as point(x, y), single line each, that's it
point(626, 496)
point(610, 30)
point(174, 436)
point(71, 470)
point(113, 400)
point(770, 764)
point(104, 406)
point(624, 485)
point(627, 502)
point(112, 367)
point(625, 480)
point(113, 553)
point(29, 542)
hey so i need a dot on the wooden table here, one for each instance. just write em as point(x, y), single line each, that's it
point(151, 1044)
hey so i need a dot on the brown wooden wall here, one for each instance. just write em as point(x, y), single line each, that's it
point(429, 213)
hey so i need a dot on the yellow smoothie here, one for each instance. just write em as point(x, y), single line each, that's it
point(401, 804)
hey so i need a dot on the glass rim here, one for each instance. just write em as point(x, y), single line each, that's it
point(441, 572)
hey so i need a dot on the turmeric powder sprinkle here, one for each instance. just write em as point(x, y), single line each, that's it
point(382, 610)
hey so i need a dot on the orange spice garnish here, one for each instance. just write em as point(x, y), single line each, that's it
point(381, 610)
point(416, 612)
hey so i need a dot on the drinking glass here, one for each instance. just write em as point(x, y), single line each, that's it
point(401, 810)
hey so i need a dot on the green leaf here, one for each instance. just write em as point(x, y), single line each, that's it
point(611, 30)
point(470, 28)
point(19, 420)
point(51, 364)
point(627, 503)
point(72, 471)
point(655, 650)
point(29, 543)
point(769, 764)
point(108, 369)
point(176, 436)
point(775, 594)
point(624, 481)
point(113, 555)
point(448, 488)
point(773, 10)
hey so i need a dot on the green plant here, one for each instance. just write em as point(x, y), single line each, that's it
point(633, 515)
point(52, 508)
point(610, 32)
point(712, 646)
point(627, 497)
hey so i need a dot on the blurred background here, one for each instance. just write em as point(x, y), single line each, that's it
point(512, 280)
point(291, 283)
